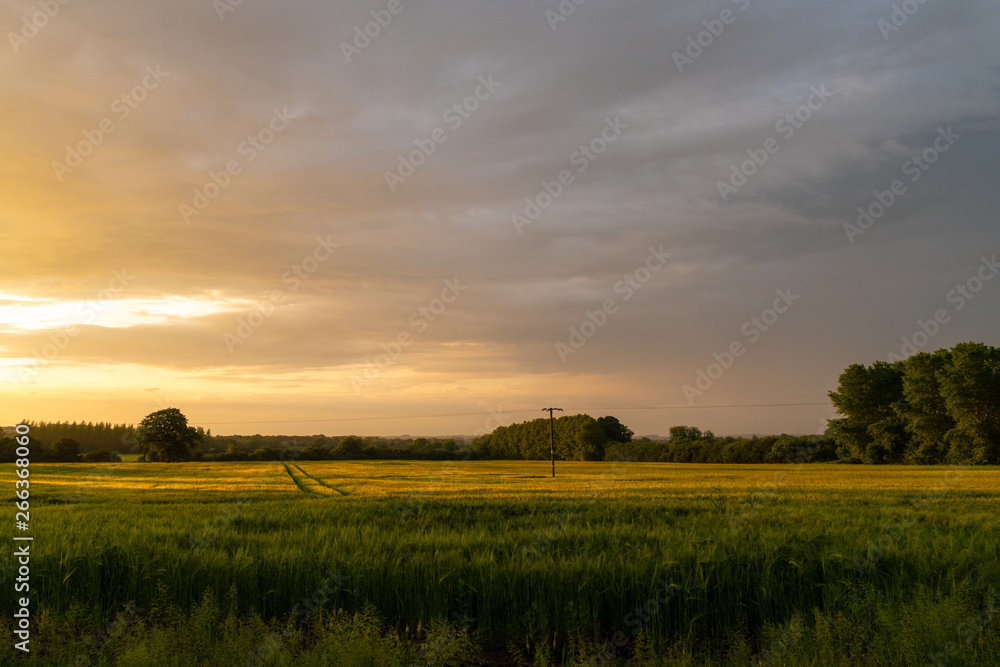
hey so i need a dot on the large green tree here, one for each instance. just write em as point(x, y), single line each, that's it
point(870, 429)
point(165, 436)
point(970, 388)
point(614, 430)
point(924, 408)
point(66, 450)
point(929, 408)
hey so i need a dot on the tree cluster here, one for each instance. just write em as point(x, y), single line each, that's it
point(577, 438)
point(91, 437)
point(322, 448)
point(934, 407)
point(63, 450)
point(165, 436)
point(688, 444)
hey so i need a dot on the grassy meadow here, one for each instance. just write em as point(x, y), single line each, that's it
point(493, 563)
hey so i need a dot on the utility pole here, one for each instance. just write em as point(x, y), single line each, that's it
point(552, 437)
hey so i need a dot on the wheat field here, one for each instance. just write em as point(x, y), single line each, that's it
point(499, 563)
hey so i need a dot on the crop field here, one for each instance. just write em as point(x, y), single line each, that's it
point(493, 563)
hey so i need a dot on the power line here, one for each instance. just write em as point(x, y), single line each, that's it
point(703, 407)
point(359, 419)
point(512, 412)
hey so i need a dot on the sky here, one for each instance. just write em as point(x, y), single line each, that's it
point(434, 217)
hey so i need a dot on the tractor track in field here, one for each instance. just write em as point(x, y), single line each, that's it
point(338, 489)
point(312, 485)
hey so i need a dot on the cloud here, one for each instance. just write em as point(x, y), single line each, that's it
point(324, 177)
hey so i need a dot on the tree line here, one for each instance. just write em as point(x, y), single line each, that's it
point(63, 450)
point(933, 407)
point(341, 448)
point(166, 436)
point(688, 444)
point(90, 436)
point(583, 438)
point(577, 438)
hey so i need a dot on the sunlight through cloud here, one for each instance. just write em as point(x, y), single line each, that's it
point(33, 314)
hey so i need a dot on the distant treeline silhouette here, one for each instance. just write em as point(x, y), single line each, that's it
point(338, 448)
point(940, 407)
point(91, 436)
point(688, 444)
point(581, 437)
point(65, 442)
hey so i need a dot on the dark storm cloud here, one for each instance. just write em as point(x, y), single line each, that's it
point(885, 95)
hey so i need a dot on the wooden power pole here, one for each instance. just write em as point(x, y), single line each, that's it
point(552, 437)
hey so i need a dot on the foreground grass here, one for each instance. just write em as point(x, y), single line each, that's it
point(496, 563)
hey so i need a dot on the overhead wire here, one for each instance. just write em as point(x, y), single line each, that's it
point(509, 412)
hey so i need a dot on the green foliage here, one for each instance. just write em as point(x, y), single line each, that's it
point(324, 448)
point(929, 408)
point(105, 456)
point(66, 450)
point(165, 436)
point(350, 447)
point(924, 407)
point(689, 445)
point(577, 438)
point(782, 586)
point(39, 452)
point(8, 450)
point(868, 397)
point(91, 436)
point(614, 430)
point(970, 387)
